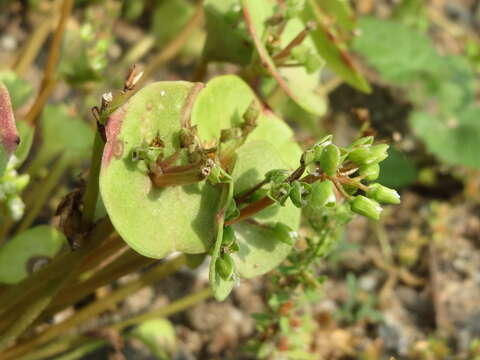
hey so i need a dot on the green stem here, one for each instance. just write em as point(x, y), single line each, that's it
point(42, 192)
point(158, 273)
point(91, 193)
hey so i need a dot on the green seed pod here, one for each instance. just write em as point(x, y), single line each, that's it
point(284, 233)
point(370, 172)
point(383, 194)
point(225, 266)
point(330, 159)
point(314, 153)
point(228, 236)
point(279, 192)
point(277, 176)
point(322, 195)
point(366, 207)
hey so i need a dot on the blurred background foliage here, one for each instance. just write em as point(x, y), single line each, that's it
point(393, 289)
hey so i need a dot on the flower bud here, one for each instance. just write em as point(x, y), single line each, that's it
point(225, 266)
point(370, 172)
point(383, 194)
point(284, 233)
point(277, 176)
point(330, 159)
point(322, 195)
point(360, 155)
point(298, 192)
point(314, 153)
point(228, 236)
point(379, 152)
point(279, 192)
point(366, 207)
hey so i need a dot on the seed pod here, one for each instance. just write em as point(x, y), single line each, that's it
point(279, 192)
point(322, 195)
point(330, 159)
point(314, 153)
point(228, 236)
point(383, 194)
point(370, 172)
point(284, 233)
point(225, 266)
point(366, 207)
point(277, 176)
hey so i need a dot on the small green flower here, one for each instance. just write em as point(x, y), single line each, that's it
point(383, 194)
point(366, 207)
point(279, 192)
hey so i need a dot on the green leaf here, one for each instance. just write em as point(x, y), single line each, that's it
point(158, 335)
point(153, 221)
point(454, 139)
point(398, 52)
point(26, 252)
point(227, 39)
point(19, 89)
point(256, 13)
point(331, 48)
point(233, 94)
point(397, 170)
point(8, 131)
point(259, 250)
point(169, 18)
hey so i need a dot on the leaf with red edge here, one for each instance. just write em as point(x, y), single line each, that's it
point(9, 138)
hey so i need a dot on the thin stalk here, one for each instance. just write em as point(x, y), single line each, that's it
point(41, 196)
point(26, 312)
point(78, 340)
point(154, 275)
point(25, 290)
point(91, 192)
point(83, 350)
point(125, 264)
point(48, 82)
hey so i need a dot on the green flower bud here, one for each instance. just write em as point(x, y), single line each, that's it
point(379, 152)
point(366, 207)
point(225, 266)
point(232, 211)
point(279, 192)
point(360, 155)
point(298, 192)
point(228, 236)
point(218, 175)
point(383, 194)
point(284, 233)
point(330, 159)
point(322, 195)
point(370, 172)
point(277, 176)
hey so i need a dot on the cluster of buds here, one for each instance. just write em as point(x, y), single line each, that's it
point(11, 186)
point(334, 172)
